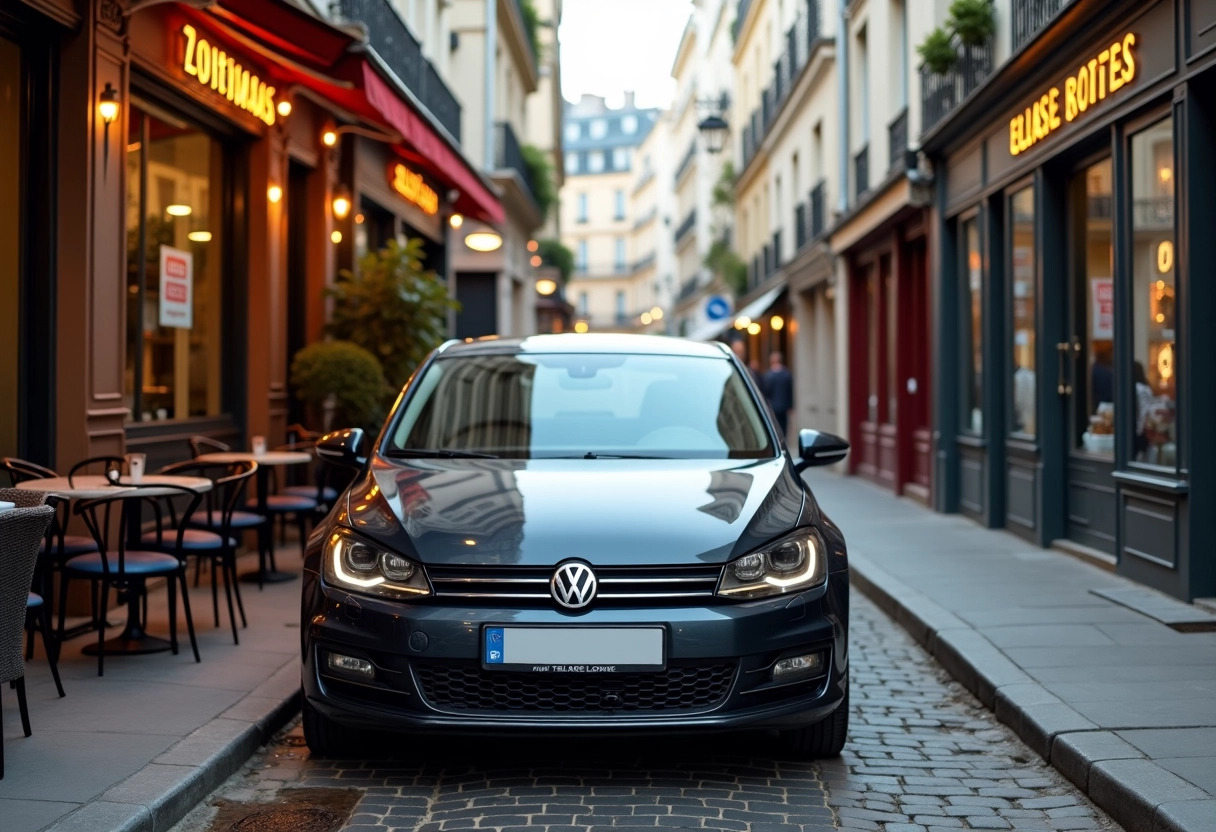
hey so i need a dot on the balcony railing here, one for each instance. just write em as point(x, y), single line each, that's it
point(392, 41)
point(799, 43)
point(1155, 213)
point(508, 155)
point(689, 155)
point(940, 94)
point(688, 288)
point(645, 218)
point(1032, 16)
point(861, 171)
point(644, 262)
point(897, 140)
point(800, 226)
point(686, 226)
point(817, 218)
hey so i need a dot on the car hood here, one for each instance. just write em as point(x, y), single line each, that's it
point(605, 511)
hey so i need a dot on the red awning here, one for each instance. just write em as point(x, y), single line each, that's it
point(424, 145)
point(286, 29)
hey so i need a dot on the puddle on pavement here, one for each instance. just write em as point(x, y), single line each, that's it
point(292, 810)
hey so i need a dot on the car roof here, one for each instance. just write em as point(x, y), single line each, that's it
point(586, 343)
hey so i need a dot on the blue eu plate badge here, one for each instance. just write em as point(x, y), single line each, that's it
point(494, 645)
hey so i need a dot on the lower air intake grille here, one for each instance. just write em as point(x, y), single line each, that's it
point(466, 687)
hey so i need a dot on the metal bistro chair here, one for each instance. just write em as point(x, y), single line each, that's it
point(37, 616)
point(21, 530)
point(135, 558)
point(108, 466)
point(211, 533)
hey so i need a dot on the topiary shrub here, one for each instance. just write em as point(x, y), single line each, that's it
point(344, 379)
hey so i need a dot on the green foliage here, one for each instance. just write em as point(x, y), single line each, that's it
point(532, 26)
point(553, 253)
point(394, 308)
point(722, 261)
point(938, 52)
point(972, 20)
point(540, 172)
point(345, 374)
point(724, 188)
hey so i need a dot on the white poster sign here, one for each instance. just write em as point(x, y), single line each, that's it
point(1102, 296)
point(176, 288)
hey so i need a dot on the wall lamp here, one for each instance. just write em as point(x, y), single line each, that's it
point(341, 202)
point(107, 108)
point(329, 137)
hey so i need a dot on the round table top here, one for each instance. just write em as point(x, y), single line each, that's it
point(91, 486)
point(266, 458)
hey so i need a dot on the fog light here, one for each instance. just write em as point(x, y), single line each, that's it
point(797, 666)
point(349, 664)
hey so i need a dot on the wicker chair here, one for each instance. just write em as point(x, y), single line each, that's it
point(21, 532)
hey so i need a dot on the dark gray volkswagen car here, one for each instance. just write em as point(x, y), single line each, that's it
point(577, 533)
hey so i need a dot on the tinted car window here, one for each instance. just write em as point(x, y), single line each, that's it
point(560, 405)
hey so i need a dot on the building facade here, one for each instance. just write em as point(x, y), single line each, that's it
point(600, 146)
point(183, 188)
point(1071, 236)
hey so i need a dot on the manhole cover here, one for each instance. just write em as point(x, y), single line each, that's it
point(304, 819)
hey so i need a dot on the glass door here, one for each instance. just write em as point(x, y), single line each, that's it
point(1086, 360)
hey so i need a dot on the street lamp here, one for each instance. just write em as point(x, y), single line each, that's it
point(715, 130)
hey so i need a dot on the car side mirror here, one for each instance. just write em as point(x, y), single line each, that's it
point(819, 448)
point(342, 448)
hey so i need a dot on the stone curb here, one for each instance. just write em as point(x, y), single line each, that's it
point(1136, 792)
point(161, 793)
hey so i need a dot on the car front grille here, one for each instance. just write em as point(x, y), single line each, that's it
point(462, 686)
point(619, 586)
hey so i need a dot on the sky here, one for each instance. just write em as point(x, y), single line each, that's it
point(610, 46)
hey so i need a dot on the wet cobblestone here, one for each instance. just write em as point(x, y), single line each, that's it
point(923, 755)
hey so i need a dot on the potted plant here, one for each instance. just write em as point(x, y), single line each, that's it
point(938, 52)
point(341, 385)
point(972, 20)
point(395, 308)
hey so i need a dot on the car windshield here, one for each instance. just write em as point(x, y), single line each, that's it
point(588, 405)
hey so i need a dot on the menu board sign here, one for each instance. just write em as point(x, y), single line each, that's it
point(176, 288)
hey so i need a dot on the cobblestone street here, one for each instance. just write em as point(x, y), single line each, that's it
point(922, 755)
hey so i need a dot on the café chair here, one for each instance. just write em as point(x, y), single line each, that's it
point(211, 533)
point(109, 466)
point(200, 445)
point(126, 558)
point(21, 530)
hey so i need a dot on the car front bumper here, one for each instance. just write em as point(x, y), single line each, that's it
point(428, 674)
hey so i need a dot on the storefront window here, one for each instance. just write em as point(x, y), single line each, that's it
point(174, 268)
point(10, 242)
point(1155, 348)
point(973, 329)
point(1094, 348)
point(1022, 272)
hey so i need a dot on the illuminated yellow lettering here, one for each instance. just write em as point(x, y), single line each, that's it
point(1070, 98)
point(1093, 79)
point(215, 67)
point(188, 63)
point(234, 76)
point(268, 110)
point(1129, 63)
point(1083, 90)
point(1103, 57)
point(1053, 108)
point(1014, 150)
point(203, 59)
point(242, 89)
point(1115, 67)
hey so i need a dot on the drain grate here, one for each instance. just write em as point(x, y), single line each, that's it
point(285, 819)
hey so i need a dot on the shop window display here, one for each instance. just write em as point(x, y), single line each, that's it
point(1096, 389)
point(973, 330)
point(1022, 370)
point(1155, 347)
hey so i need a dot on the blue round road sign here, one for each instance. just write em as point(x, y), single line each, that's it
point(716, 307)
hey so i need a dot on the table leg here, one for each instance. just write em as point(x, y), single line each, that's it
point(133, 640)
point(265, 575)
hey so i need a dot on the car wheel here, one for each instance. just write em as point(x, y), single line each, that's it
point(823, 739)
point(326, 738)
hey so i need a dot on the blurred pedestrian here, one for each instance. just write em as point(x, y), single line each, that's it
point(739, 348)
point(779, 388)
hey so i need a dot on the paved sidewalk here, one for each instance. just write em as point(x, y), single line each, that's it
point(137, 748)
point(1123, 705)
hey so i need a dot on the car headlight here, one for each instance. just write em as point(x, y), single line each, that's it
point(355, 564)
point(791, 564)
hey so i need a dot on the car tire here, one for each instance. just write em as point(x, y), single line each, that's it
point(823, 739)
point(326, 738)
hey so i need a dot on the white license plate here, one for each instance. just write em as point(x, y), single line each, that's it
point(573, 649)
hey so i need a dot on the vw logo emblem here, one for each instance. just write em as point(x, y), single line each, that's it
point(573, 585)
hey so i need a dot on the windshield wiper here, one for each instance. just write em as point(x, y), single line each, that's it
point(594, 455)
point(436, 453)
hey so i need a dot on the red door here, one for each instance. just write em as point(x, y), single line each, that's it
point(915, 437)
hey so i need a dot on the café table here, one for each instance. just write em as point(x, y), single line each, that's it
point(133, 639)
point(265, 460)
